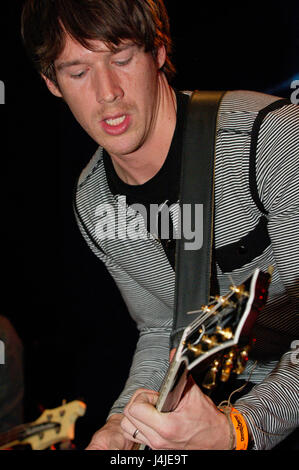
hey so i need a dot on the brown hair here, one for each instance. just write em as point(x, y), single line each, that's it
point(45, 23)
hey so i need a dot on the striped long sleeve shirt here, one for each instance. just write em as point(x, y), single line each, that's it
point(256, 181)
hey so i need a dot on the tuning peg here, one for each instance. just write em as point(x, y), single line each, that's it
point(209, 341)
point(239, 290)
point(205, 308)
point(227, 365)
point(241, 360)
point(209, 381)
point(223, 300)
point(270, 270)
point(225, 333)
point(196, 349)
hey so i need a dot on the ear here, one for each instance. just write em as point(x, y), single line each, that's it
point(52, 87)
point(161, 56)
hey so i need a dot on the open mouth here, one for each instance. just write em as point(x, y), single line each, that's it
point(115, 122)
point(116, 125)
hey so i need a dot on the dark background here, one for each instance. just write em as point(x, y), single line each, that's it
point(77, 336)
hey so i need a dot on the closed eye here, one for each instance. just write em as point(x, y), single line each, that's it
point(123, 62)
point(78, 75)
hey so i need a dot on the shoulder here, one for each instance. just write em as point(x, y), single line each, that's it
point(242, 100)
point(259, 108)
point(246, 101)
point(245, 110)
point(274, 152)
point(93, 165)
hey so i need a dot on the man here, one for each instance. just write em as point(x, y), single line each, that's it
point(11, 376)
point(109, 61)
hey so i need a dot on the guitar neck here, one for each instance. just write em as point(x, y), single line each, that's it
point(171, 390)
point(173, 386)
point(12, 437)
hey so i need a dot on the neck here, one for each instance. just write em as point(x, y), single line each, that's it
point(140, 166)
point(12, 435)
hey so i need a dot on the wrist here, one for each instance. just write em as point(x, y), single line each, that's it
point(241, 429)
point(115, 418)
point(239, 435)
point(230, 435)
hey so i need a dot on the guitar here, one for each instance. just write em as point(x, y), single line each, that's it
point(216, 345)
point(52, 427)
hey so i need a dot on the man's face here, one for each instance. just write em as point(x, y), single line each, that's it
point(113, 95)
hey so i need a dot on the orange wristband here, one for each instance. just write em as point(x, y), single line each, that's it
point(240, 426)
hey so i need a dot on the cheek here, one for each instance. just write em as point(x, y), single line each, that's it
point(81, 108)
point(144, 90)
point(75, 97)
point(143, 81)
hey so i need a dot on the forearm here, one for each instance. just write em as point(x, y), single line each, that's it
point(271, 409)
point(149, 366)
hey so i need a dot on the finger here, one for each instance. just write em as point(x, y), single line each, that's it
point(131, 432)
point(139, 439)
point(143, 400)
point(141, 414)
point(172, 354)
point(145, 435)
point(151, 394)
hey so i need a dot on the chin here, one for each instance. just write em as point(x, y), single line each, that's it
point(121, 150)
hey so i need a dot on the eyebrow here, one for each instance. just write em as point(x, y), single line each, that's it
point(64, 65)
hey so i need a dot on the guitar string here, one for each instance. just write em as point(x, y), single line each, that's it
point(200, 320)
point(19, 433)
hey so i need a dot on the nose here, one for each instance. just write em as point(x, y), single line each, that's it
point(107, 86)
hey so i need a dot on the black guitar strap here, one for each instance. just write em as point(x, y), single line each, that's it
point(194, 258)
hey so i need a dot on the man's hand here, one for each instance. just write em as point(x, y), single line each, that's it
point(195, 424)
point(110, 436)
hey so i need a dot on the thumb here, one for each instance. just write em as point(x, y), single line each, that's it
point(142, 399)
point(146, 396)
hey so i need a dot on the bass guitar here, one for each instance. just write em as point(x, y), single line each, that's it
point(52, 427)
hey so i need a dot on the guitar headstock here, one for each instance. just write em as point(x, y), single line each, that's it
point(54, 426)
point(218, 341)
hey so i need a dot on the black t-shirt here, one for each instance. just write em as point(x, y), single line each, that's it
point(163, 187)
